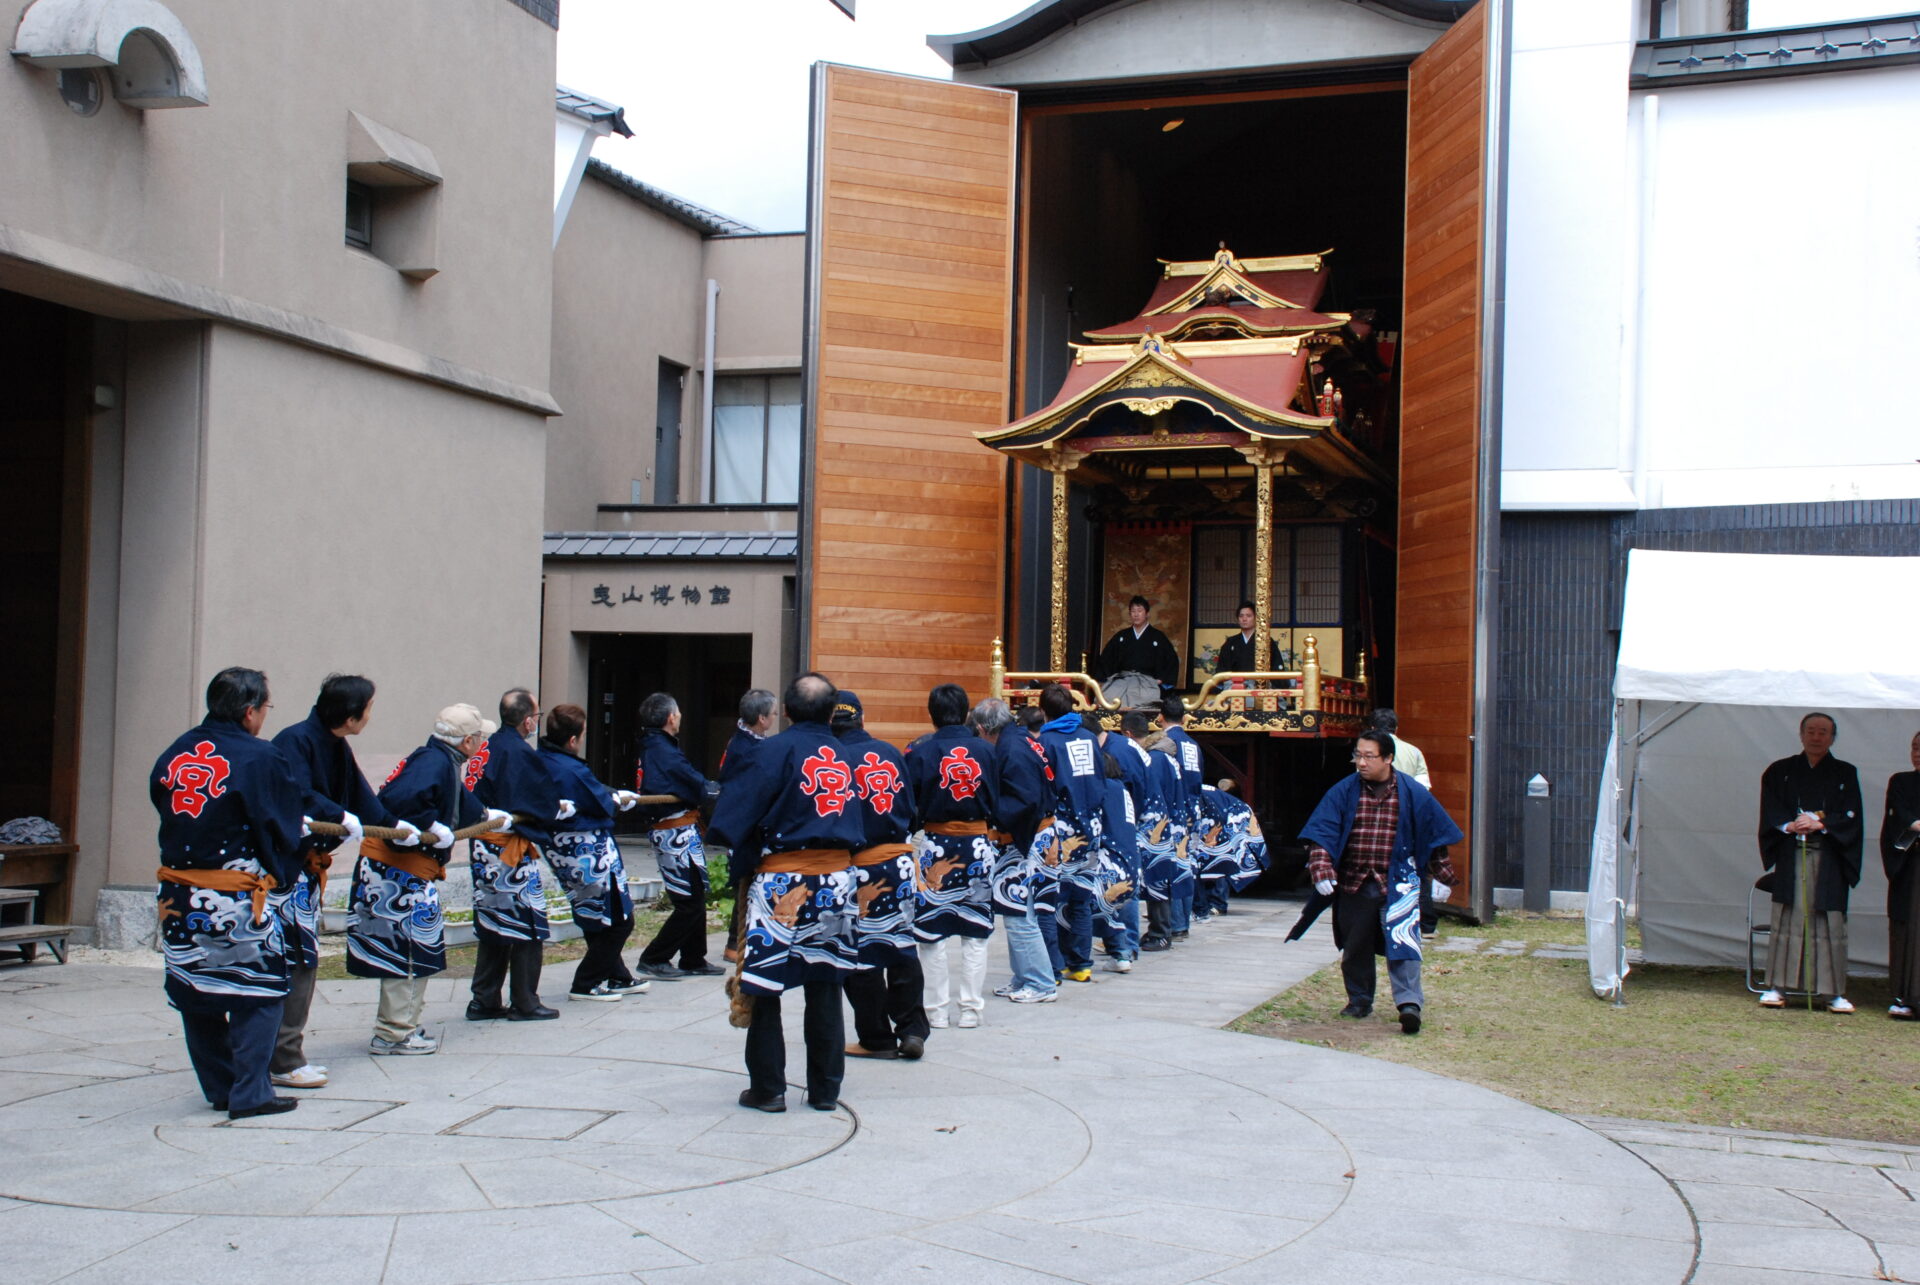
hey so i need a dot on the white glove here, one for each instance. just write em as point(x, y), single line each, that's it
point(442, 837)
point(501, 821)
point(306, 826)
point(566, 810)
point(625, 799)
point(355, 831)
point(409, 835)
point(1324, 887)
point(1440, 890)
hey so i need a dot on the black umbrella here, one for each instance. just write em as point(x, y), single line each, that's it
point(1316, 905)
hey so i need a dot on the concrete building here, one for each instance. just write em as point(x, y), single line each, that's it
point(275, 286)
point(671, 480)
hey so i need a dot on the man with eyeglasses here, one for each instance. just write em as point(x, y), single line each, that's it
point(1374, 839)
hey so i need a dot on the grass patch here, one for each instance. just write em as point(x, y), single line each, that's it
point(1690, 1046)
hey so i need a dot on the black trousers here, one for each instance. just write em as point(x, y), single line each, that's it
point(887, 1005)
point(736, 922)
point(825, 1031)
point(498, 957)
point(230, 1039)
point(1157, 919)
point(685, 931)
point(602, 962)
point(1363, 940)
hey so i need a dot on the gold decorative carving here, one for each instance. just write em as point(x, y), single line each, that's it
point(1263, 549)
point(1057, 634)
point(1151, 375)
point(1149, 406)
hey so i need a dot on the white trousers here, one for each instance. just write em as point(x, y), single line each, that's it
point(973, 973)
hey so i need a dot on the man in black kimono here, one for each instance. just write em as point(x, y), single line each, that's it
point(1900, 854)
point(1141, 649)
point(1240, 654)
point(1811, 832)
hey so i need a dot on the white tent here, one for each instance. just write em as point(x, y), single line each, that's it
point(1720, 655)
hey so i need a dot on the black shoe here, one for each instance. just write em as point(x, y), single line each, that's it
point(665, 972)
point(478, 1012)
point(1357, 1010)
point(912, 1048)
point(1155, 943)
point(771, 1103)
point(272, 1106)
point(823, 1104)
point(221, 1105)
point(861, 1050)
point(1409, 1019)
point(1179, 936)
point(538, 1013)
point(703, 969)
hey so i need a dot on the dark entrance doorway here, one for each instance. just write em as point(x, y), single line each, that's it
point(706, 673)
point(43, 456)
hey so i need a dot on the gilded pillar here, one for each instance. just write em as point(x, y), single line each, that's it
point(1057, 638)
point(1263, 558)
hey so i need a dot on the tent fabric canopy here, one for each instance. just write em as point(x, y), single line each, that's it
point(1754, 638)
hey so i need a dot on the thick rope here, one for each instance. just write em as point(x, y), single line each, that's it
point(331, 830)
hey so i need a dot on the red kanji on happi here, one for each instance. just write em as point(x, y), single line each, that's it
point(879, 782)
point(196, 779)
point(827, 781)
point(477, 766)
point(959, 774)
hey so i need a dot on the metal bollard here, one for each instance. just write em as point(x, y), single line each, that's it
point(1536, 831)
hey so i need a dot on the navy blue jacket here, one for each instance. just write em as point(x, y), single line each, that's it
point(952, 777)
point(880, 778)
point(738, 754)
point(1136, 770)
point(224, 794)
point(326, 769)
point(1079, 777)
point(1190, 770)
point(797, 793)
point(507, 774)
point(663, 769)
point(1022, 785)
point(428, 787)
point(593, 803)
point(1123, 822)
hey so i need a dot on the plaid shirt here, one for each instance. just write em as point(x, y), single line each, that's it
point(1376, 819)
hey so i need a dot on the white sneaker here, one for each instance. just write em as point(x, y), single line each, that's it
point(1006, 989)
point(416, 1044)
point(937, 1018)
point(1028, 996)
point(1772, 999)
point(968, 1019)
point(1839, 1004)
point(1900, 1009)
point(1119, 965)
point(603, 993)
point(304, 1077)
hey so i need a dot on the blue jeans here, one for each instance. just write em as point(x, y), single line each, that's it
point(1180, 904)
point(1027, 952)
point(1123, 941)
point(1069, 931)
point(1212, 895)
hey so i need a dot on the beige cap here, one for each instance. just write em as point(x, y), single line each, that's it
point(458, 722)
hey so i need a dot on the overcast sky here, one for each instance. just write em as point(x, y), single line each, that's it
point(716, 90)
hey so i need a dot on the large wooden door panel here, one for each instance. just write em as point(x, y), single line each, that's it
point(909, 341)
point(1440, 411)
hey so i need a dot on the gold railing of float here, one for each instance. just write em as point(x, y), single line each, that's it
point(1087, 694)
point(1315, 692)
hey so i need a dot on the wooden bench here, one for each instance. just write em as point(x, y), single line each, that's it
point(27, 937)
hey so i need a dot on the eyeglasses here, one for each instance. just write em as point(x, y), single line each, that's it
point(1366, 758)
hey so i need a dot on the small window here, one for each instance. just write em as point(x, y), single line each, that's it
point(359, 216)
point(756, 439)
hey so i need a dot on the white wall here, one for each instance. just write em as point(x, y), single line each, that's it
point(1712, 291)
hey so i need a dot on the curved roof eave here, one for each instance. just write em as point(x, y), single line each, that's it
point(1038, 21)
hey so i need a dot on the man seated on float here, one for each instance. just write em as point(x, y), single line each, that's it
point(1140, 648)
point(1239, 654)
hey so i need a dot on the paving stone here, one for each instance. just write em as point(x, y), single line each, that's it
point(1729, 1203)
point(1074, 1252)
point(892, 1259)
point(519, 1245)
point(49, 1242)
point(1688, 1165)
point(1802, 1249)
point(339, 1251)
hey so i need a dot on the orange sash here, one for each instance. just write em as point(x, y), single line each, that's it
point(514, 848)
point(675, 822)
point(956, 827)
point(256, 886)
point(881, 852)
point(806, 861)
point(417, 864)
point(318, 863)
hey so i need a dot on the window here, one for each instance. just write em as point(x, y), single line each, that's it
point(756, 439)
point(359, 216)
point(1306, 575)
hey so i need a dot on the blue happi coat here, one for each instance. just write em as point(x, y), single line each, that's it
point(735, 759)
point(663, 769)
point(951, 775)
point(1023, 796)
point(1070, 850)
point(227, 801)
point(1424, 826)
point(886, 888)
point(394, 922)
point(329, 774)
point(508, 774)
point(798, 793)
point(585, 859)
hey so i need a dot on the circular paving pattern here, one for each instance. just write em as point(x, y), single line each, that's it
point(439, 1135)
